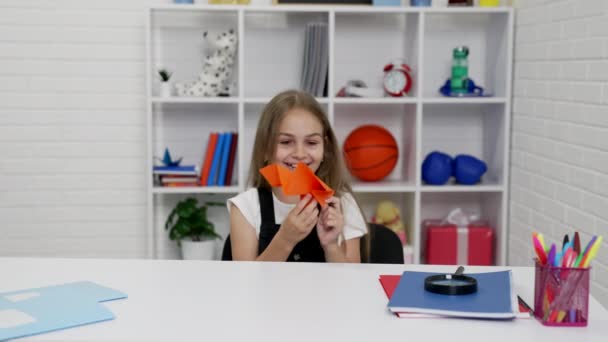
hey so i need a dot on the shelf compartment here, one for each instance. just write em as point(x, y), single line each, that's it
point(274, 49)
point(399, 119)
point(177, 43)
point(486, 34)
point(366, 42)
point(184, 129)
point(162, 205)
point(488, 205)
point(474, 129)
point(405, 202)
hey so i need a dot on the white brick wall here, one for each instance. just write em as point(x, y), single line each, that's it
point(72, 136)
point(559, 165)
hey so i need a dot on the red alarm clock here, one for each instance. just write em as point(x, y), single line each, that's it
point(397, 79)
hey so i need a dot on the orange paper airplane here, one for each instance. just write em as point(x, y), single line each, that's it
point(301, 181)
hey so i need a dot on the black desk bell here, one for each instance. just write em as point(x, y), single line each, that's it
point(451, 284)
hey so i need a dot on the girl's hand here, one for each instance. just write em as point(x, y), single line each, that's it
point(300, 221)
point(331, 223)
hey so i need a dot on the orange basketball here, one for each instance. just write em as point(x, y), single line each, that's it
point(370, 152)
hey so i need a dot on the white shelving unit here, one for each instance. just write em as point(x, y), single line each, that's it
point(361, 41)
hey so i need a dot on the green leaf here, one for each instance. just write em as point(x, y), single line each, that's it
point(189, 220)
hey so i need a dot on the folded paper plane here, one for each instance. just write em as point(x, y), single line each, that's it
point(300, 181)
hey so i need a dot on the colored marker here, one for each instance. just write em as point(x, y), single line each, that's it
point(542, 242)
point(540, 251)
point(572, 315)
point(551, 257)
point(568, 257)
point(558, 259)
point(577, 243)
point(583, 255)
point(592, 252)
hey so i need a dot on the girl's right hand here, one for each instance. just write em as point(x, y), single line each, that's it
point(300, 221)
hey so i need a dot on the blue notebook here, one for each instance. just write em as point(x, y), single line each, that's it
point(494, 298)
point(215, 163)
point(39, 310)
point(174, 170)
point(221, 177)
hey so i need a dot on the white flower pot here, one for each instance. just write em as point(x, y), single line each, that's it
point(166, 89)
point(198, 250)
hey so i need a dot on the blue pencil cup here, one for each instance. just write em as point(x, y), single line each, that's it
point(420, 3)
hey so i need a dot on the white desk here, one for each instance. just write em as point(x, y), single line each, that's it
point(247, 301)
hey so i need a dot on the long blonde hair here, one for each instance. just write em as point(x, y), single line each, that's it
point(332, 171)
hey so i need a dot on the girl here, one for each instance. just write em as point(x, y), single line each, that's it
point(266, 224)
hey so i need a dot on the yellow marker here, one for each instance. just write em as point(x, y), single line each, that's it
point(561, 315)
point(592, 251)
point(542, 241)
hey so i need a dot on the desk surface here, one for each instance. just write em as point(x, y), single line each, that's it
point(173, 300)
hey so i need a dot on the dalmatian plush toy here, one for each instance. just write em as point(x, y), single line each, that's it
point(214, 79)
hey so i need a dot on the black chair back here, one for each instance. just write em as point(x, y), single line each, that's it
point(227, 251)
point(385, 246)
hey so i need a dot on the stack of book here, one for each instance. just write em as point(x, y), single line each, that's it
point(219, 160)
point(186, 175)
point(494, 298)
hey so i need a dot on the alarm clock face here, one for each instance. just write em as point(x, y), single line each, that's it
point(394, 82)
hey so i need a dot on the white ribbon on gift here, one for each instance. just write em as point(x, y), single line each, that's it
point(461, 220)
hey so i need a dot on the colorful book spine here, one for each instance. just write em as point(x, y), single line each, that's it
point(215, 163)
point(211, 144)
point(221, 177)
point(231, 159)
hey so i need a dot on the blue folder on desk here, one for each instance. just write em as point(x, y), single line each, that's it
point(494, 298)
point(38, 310)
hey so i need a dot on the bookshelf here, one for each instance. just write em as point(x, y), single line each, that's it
point(362, 39)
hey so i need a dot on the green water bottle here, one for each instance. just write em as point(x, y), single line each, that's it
point(460, 70)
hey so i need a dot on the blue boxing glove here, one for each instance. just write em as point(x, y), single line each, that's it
point(468, 169)
point(436, 168)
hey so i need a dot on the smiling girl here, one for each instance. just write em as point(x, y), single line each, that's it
point(266, 224)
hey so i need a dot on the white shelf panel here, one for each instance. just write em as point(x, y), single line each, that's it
point(464, 100)
point(384, 187)
point(264, 100)
point(462, 188)
point(379, 100)
point(329, 8)
point(196, 190)
point(168, 100)
point(195, 7)
point(456, 10)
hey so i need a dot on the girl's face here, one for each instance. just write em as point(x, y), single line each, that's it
point(300, 140)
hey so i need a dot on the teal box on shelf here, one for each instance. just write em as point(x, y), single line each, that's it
point(386, 2)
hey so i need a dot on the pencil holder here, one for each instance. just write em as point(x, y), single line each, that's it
point(561, 295)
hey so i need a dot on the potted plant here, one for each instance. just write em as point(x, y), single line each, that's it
point(188, 225)
point(165, 85)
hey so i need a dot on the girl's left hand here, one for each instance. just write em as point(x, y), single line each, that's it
point(331, 222)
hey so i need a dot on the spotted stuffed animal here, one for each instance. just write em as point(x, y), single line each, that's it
point(214, 79)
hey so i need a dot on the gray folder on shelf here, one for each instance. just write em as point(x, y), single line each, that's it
point(315, 59)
